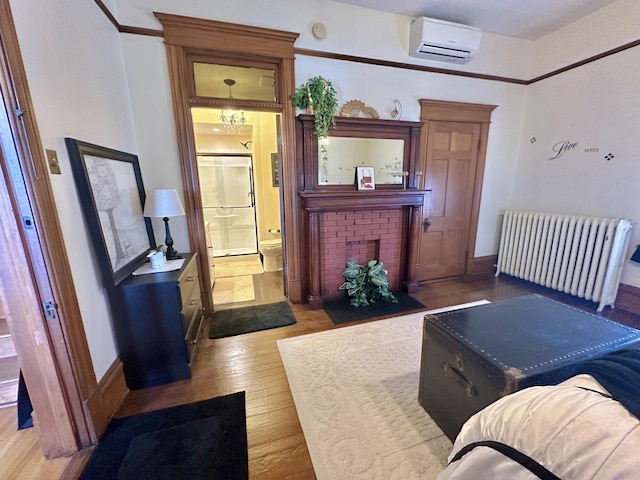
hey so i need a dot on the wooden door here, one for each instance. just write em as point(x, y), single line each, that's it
point(454, 143)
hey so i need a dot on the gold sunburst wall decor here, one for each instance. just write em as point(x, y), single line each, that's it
point(356, 108)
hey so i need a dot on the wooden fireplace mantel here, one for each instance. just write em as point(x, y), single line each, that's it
point(318, 201)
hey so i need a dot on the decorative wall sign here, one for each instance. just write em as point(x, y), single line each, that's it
point(562, 147)
point(565, 146)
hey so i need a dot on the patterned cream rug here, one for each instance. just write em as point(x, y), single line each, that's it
point(234, 266)
point(356, 393)
point(233, 289)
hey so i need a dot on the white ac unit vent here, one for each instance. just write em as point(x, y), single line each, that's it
point(443, 41)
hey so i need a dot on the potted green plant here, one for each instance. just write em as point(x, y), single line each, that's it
point(367, 284)
point(319, 98)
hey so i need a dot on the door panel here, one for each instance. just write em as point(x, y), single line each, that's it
point(450, 171)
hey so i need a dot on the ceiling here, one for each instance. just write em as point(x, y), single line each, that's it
point(529, 19)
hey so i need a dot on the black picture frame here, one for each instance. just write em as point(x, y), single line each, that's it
point(112, 196)
point(275, 179)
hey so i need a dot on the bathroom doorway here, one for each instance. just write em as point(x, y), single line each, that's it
point(240, 193)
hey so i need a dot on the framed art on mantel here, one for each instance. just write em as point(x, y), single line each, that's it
point(365, 178)
point(112, 197)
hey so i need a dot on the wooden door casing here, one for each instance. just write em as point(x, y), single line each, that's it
point(453, 155)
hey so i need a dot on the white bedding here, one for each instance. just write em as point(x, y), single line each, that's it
point(571, 429)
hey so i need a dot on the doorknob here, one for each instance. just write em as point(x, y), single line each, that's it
point(427, 223)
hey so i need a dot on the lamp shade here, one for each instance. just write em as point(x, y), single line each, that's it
point(163, 203)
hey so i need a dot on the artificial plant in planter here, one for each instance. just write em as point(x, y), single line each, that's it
point(367, 284)
point(319, 98)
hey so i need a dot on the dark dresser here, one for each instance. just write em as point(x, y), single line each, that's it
point(158, 318)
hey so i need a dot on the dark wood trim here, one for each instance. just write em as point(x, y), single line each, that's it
point(126, 28)
point(628, 298)
point(149, 32)
point(322, 200)
point(213, 35)
point(70, 360)
point(220, 42)
point(108, 13)
point(111, 392)
point(402, 65)
point(405, 66)
point(591, 59)
point(482, 265)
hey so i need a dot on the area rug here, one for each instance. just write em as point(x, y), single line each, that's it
point(340, 311)
point(206, 439)
point(235, 266)
point(236, 321)
point(233, 290)
point(356, 393)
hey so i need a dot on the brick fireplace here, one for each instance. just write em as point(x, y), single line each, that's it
point(362, 235)
point(382, 225)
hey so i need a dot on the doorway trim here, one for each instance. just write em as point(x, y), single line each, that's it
point(185, 36)
point(53, 352)
point(445, 111)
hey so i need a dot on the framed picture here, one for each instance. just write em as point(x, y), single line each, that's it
point(365, 178)
point(275, 170)
point(112, 197)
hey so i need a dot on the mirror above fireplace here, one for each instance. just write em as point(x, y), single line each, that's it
point(390, 147)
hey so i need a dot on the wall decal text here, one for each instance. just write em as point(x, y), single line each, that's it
point(562, 147)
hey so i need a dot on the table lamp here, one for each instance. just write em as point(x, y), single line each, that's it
point(165, 203)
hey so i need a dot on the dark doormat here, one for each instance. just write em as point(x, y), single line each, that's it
point(206, 439)
point(340, 311)
point(236, 321)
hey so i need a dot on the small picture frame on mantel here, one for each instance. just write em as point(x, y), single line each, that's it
point(365, 178)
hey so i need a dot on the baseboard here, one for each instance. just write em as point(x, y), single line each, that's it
point(482, 265)
point(628, 298)
point(107, 398)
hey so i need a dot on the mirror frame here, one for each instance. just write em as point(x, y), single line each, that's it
point(307, 147)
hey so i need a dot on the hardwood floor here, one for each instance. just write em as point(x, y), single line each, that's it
point(251, 362)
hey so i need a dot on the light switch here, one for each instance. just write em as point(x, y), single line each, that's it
point(54, 165)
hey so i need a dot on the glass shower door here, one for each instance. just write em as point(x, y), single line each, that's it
point(228, 201)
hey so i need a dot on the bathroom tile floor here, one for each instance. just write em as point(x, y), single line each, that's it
point(268, 288)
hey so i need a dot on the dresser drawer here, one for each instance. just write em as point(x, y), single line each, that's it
point(193, 334)
point(189, 310)
point(188, 284)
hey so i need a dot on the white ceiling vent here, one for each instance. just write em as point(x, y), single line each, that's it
point(443, 41)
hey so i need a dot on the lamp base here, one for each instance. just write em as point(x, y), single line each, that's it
point(173, 255)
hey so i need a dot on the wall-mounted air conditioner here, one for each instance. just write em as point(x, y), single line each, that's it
point(443, 41)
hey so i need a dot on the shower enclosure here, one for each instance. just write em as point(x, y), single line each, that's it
point(228, 202)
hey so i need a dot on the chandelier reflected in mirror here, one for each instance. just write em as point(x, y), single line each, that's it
point(230, 119)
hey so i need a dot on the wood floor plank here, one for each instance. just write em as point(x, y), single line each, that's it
point(251, 362)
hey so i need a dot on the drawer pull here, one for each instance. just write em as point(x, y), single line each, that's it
point(193, 302)
point(190, 278)
point(460, 379)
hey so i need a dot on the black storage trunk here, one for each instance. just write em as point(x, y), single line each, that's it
point(474, 356)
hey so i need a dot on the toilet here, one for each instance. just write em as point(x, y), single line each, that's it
point(271, 250)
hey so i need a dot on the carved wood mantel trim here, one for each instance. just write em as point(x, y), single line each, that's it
point(317, 201)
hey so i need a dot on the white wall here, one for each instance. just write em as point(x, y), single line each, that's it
point(374, 34)
point(74, 65)
point(94, 84)
point(596, 106)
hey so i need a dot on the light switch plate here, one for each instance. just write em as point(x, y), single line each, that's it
point(54, 164)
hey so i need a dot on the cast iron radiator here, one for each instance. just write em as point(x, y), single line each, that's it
point(575, 254)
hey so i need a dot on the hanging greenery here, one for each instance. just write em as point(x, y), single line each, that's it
point(319, 98)
point(367, 284)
